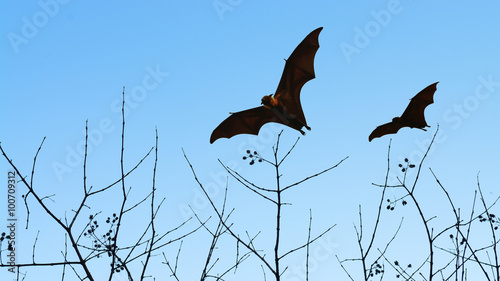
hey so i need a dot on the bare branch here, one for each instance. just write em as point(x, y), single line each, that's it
point(315, 175)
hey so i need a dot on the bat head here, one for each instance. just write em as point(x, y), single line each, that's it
point(269, 101)
point(396, 119)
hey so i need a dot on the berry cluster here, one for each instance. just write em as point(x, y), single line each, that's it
point(408, 165)
point(492, 219)
point(396, 263)
point(3, 237)
point(392, 204)
point(376, 269)
point(105, 241)
point(252, 157)
point(461, 242)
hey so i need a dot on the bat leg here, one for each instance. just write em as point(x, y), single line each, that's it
point(307, 127)
point(302, 132)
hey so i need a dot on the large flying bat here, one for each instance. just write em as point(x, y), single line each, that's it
point(412, 117)
point(284, 106)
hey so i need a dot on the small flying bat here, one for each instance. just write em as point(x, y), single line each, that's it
point(284, 106)
point(412, 117)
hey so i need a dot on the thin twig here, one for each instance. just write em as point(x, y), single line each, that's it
point(308, 243)
point(315, 175)
point(496, 266)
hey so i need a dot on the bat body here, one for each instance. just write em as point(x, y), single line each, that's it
point(284, 106)
point(412, 117)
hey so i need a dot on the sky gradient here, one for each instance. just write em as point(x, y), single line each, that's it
point(185, 65)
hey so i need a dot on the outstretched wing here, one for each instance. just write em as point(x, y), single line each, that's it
point(413, 116)
point(299, 68)
point(244, 122)
point(386, 129)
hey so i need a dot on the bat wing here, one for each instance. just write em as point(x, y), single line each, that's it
point(413, 116)
point(299, 68)
point(386, 129)
point(244, 122)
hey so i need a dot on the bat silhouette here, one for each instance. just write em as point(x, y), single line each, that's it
point(412, 117)
point(284, 106)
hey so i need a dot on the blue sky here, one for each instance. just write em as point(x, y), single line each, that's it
point(186, 64)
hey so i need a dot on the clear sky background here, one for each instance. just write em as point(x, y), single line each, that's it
point(186, 64)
